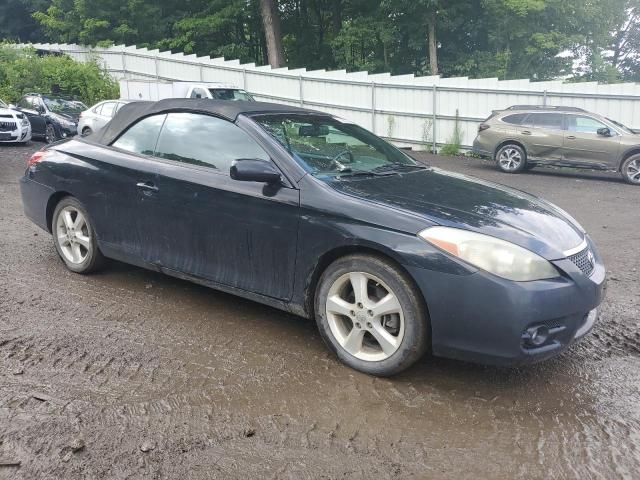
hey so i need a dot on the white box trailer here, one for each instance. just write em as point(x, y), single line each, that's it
point(158, 90)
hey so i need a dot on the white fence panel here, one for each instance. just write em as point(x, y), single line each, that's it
point(411, 111)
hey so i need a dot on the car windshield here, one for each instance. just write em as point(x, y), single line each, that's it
point(63, 105)
point(620, 125)
point(229, 94)
point(327, 146)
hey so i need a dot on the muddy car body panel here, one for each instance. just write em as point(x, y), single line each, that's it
point(271, 242)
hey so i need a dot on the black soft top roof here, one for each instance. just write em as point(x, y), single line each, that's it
point(136, 110)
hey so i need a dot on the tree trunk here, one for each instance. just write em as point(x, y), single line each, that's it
point(336, 17)
point(272, 32)
point(433, 45)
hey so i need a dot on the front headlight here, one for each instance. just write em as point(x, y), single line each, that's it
point(496, 256)
point(25, 122)
point(66, 123)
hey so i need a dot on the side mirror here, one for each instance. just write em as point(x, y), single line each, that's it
point(254, 170)
point(40, 109)
point(604, 131)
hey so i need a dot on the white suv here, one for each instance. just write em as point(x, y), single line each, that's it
point(14, 125)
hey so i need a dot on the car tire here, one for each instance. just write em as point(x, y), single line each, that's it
point(50, 134)
point(356, 326)
point(86, 131)
point(630, 170)
point(511, 158)
point(74, 237)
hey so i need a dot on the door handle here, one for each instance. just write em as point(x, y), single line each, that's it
point(570, 137)
point(526, 132)
point(147, 186)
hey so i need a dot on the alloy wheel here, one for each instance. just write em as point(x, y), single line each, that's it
point(50, 134)
point(633, 171)
point(510, 159)
point(73, 236)
point(365, 316)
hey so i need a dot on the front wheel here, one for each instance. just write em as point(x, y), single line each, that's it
point(74, 237)
point(631, 170)
point(50, 134)
point(511, 158)
point(371, 315)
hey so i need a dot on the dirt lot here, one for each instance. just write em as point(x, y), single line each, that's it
point(131, 374)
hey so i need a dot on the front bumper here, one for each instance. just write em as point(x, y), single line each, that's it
point(67, 132)
point(21, 134)
point(486, 319)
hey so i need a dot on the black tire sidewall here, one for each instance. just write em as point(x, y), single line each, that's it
point(523, 154)
point(94, 258)
point(55, 133)
point(623, 169)
point(415, 341)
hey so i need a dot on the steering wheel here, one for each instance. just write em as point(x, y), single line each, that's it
point(342, 153)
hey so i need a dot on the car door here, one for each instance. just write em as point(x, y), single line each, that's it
point(29, 106)
point(542, 136)
point(201, 222)
point(583, 145)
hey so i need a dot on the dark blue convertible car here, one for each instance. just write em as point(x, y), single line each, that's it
point(316, 216)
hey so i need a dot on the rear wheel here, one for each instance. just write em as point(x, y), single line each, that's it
point(86, 131)
point(631, 170)
point(511, 158)
point(371, 315)
point(74, 237)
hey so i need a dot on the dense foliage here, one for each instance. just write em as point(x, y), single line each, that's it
point(596, 39)
point(23, 71)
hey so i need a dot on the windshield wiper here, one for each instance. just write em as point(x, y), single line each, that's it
point(397, 167)
point(362, 173)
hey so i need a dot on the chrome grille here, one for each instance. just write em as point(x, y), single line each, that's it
point(584, 261)
point(8, 126)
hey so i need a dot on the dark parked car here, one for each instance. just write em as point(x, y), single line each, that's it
point(52, 117)
point(525, 136)
point(319, 217)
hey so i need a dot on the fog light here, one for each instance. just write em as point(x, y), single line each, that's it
point(64, 134)
point(537, 336)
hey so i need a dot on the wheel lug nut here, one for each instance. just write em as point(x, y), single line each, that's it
point(369, 325)
point(358, 325)
point(352, 313)
point(359, 305)
point(370, 313)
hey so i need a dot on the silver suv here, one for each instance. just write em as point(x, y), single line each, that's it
point(524, 136)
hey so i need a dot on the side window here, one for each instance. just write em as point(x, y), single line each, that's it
point(25, 102)
point(516, 119)
point(198, 93)
point(98, 109)
point(108, 109)
point(550, 121)
point(142, 137)
point(206, 141)
point(576, 123)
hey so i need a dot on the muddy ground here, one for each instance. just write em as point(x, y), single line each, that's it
point(96, 369)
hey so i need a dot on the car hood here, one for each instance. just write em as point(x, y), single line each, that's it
point(74, 117)
point(459, 201)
